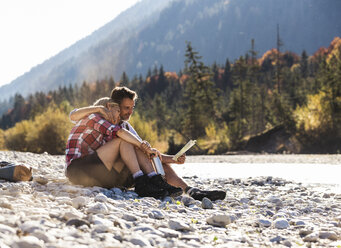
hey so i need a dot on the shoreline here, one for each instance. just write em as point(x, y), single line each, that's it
point(257, 212)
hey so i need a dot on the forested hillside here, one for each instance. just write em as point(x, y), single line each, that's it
point(220, 105)
point(153, 33)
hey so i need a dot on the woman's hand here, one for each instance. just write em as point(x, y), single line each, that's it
point(151, 152)
point(106, 113)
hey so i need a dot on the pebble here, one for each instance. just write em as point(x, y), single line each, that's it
point(206, 203)
point(257, 212)
point(219, 220)
point(281, 223)
point(178, 225)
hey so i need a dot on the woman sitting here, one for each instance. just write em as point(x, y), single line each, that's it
point(101, 153)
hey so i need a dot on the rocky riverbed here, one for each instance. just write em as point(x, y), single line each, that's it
point(257, 212)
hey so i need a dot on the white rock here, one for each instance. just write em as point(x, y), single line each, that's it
point(156, 214)
point(30, 227)
point(41, 180)
point(28, 242)
point(219, 220)
point(313, 237)
point(98, 208)
point(129, 217)
point(139, 240)
point(169, 233)
point(101, 198)
point(178, 225)
point(101, 228)
point(7, 229)
point(43, 236)
point(73, 214)
point(79, 201)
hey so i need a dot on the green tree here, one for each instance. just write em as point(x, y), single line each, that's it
point(200, 96)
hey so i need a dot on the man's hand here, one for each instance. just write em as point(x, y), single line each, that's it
point(181, 159)
point(155, 153)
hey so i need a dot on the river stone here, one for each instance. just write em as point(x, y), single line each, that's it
point(41, 180)
point(313, 237)
point(169, 233)
point(28, 242)
point(328, 235)
point(178, 225)
point(206, 203)
point(281, 223)
point(168, 200)
point(129, 217)
point(77, 222)
point(219, 220)
point(101, 228)
point(6, 229)
point(264, 222)
point(187, 201)
point(156, 214)
point(98, 208)
point(30, 227)
point(101, 198)
point(79, 201)
point(74, 214)
point(139, 240)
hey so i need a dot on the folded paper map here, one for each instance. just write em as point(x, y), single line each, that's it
point(184, 149)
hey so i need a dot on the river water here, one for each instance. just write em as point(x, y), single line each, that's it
point(327, 177)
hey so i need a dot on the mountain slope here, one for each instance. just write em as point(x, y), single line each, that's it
point(154, 32)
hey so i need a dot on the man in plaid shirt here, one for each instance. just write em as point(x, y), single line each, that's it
point(97, 152)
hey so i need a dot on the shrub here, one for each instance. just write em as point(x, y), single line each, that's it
point(47, 132)
point(146, 129)
point(15, 137)
point(50, 133)
point(2, 140)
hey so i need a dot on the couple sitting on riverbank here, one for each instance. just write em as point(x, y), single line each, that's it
point(104, 150)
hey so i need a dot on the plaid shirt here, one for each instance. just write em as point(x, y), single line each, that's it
point(88, 135)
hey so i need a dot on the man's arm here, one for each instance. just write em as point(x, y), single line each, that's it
point(168, 159)
point(81, 113)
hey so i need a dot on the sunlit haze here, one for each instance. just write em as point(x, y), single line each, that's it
point(33, 31)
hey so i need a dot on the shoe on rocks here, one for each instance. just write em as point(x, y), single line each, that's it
point(144, 188)
point(198, 194)
point(161, 183)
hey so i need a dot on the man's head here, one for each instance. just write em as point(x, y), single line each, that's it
point(126, 98)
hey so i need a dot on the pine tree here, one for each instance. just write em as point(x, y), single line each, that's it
point(200, 95)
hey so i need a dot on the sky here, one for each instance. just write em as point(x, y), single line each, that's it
point(32, 31)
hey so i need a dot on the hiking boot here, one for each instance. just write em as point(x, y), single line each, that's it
point(161, 183)
point(143, 187)
point(198, 194)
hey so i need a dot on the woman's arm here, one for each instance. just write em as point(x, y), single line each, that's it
point(143, 145)
point(81, 113)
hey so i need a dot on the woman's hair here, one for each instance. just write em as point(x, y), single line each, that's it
point(103, 101)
